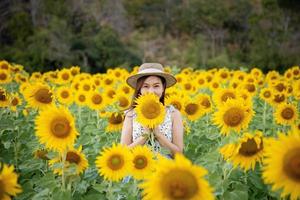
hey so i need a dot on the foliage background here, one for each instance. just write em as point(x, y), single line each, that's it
point(98, 34)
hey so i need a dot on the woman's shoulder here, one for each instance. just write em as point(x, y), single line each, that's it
point(173, 110)
point(129, 113)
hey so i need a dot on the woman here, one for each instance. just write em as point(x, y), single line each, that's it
point(152, 78)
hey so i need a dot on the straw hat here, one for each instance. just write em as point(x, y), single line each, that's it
point(151, 69)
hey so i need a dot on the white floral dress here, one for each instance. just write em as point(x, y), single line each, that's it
point(165, 127)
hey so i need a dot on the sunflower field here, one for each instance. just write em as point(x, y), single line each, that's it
point(60, 136)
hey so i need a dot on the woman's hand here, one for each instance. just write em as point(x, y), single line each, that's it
point(157, 133)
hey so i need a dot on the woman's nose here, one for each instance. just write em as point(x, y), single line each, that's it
point(151, 90)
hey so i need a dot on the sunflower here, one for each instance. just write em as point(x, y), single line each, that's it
point(281, 164)
point(55, 127)
point(234, 115)
point(188, 86)
point(64, 95)
point(143, 163)
point(125, 89)
point(175, 101)
point(39, 96)
point(205, 102)
point(4, 98)
point(75, 70)
point(177, 179)
point(221, 95)
point(95, 100)
point(109, 93)
point(278, 98)
point(115, 122)
point(286, 114)
point(250, 87)
point(214, 84)
point(73, 156)
point(115, 162)
point(122, 100)
point(5, 77)
point(4, 65)
point(246, 152)
point(64, 76)
point(15, 101)
point(150, 112)
point(257, 73)
point(41, 154)
point(36, 76)
point(266, 94)
point(201, 81)
point(192, 109)
point(19, 78)
point(87, 86)
point(81, 98)
point(8, 182)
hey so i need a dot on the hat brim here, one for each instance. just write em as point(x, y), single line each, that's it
point(170, 80)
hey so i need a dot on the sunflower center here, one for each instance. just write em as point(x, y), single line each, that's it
point(3, 76)
point(123, 102)
point(201, 81)
point(126, 90)
point(116, 119)
point(279, 98)
point(191, 108)
point(287, 113)
point(233, 116)
point(2, 191)
point(250, 87)
point(65, 76)
point(151, 110)
point(291, 164)
point(81, 98)
point(111, 93)
point(182, 186)
point(73, 157)
point(42, 154)
point(187, 86)
point(15, 102)
point(117, 74)
point(74, 72)
point(249, 148)
point(43, 95)
point(267, 94)
point(86, 87)
point(115, 162)
point(206, 103)
point(60, 127)
point(65, 94)
point(227, 95)
point(280, 87)
point(140, 162)
point(4, 66)
point(296, 72)
point(215, 85)
point(108, 81)
point(97, 99)
point(2, 96)
point(224, 75)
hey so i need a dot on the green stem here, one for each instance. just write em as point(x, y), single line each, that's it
point(264, 117)
point(98, 120)
point(63, 181)
point(16, 143)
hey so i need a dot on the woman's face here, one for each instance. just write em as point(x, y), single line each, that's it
point(154, 85)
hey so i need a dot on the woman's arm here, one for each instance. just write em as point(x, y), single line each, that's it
point(176, 146)
point(126, 135)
